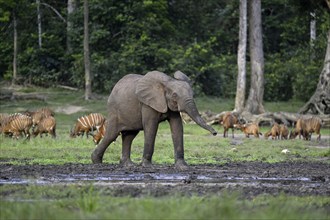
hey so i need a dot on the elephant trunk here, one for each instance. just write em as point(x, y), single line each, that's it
point(192, 111)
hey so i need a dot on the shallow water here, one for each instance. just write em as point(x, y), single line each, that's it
point(150, 177)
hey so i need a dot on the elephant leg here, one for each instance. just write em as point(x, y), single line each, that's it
point(127, 139)
point(150, 126)
point(177, 137)
point(97, 155)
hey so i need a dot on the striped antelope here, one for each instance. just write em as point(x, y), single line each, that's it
point(298, 129)
point(86, 124)
point(284, 131)
point(100, 134)
point(228, 121)
point(249, 129)
point(312, 125)
point(16, 124)
point(306, 127)
point(274, 132)
point(39, 114)
point(46, 125)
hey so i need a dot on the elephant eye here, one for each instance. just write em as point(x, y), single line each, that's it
point(174, 95)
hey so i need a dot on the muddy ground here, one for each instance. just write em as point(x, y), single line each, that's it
point(250, 178)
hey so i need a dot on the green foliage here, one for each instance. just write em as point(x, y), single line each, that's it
point(137, 36)
point(89, 200)
point(292, 77)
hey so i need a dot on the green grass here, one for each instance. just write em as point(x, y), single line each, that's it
point(200, 147)
point(87, 202)
point(90, 202)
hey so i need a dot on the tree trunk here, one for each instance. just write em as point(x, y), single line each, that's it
point(254, 103)
point(241, 57)
point(15, 49)
point(88, 78)
point(39, 24)
point(69, 25)
point(328, 3)
point(319, 103)
point(312, 28)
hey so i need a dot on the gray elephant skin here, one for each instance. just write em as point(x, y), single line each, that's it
point(141, 102)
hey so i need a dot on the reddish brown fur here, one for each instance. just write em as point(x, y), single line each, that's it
point(310, 126)
point(297, 130)
point(307, 126)
point(228, 121)
point(36, 117)
point(86, 124)
point(46, 125)
point(100, 134)
point(284, 132)
point(274, 132)
point(249, 129)
point(46, 112)
point(17, 124)
point(39, 114)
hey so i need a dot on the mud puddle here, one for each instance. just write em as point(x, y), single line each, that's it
point(155, 178)
point(251, 178)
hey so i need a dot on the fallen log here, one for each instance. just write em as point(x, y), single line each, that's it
point(10, 95)
point(68, 87)
point(265, 119)
point(25, 96)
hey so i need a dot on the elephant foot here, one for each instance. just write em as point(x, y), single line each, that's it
point(147, 163)
point(127, 163)
point(181, 165)
point(96, 158)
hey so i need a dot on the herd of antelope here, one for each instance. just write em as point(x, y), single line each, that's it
point(43, 121)
point(304, 127)
point(19, 124)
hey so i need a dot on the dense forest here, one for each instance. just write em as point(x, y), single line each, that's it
point(198, 37)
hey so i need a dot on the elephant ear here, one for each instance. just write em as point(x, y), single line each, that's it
point(151, 91)
point(181, 76)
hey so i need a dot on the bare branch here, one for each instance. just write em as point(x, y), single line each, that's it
point(56, 12)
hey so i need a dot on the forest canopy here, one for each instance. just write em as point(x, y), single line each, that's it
point(198, 37)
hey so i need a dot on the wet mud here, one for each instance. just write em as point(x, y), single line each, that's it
point(249, 178)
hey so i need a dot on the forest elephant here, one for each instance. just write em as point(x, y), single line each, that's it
point(141, 102)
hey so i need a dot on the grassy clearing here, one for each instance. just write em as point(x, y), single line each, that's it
point(200, 148)
point(88, 202)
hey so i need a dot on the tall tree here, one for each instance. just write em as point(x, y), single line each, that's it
point(241, 57)
point(15, 48)
point(319, 103)
point(88, 76)
point(254, 102)
point(71, 7)
point(13, 13)
point(313, 28)
point(39, 24)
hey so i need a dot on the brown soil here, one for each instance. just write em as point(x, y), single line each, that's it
point(250, 178)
